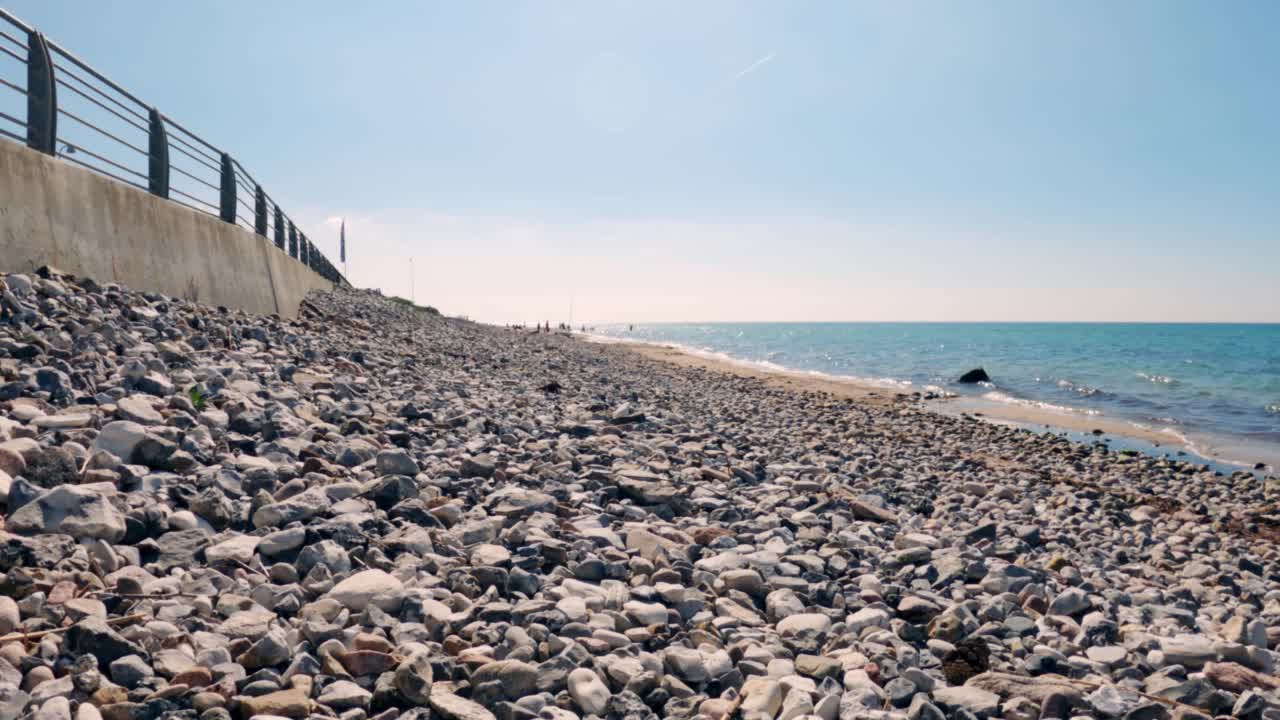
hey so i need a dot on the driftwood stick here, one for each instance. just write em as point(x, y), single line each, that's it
point(145, 596)
point(23, 637)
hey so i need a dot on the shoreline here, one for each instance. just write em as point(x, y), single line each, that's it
point(1027, 415)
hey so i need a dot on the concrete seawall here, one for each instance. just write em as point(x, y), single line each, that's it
point(55, 213)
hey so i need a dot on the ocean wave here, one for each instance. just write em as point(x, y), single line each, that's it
point(1274, 408)
point(1083, 390)
point(1158, 379)
point(1001, 397)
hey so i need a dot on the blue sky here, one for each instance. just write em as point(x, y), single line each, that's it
point(741, 160)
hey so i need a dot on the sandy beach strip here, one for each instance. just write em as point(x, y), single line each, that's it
point(799, 381)
point(1027, 414)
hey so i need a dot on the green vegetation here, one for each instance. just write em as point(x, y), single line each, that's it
point(420, 308)
point(197, 398)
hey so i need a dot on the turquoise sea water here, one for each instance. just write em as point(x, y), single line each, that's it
point(1216, 380)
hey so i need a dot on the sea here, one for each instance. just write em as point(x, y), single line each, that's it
point(1205, 385)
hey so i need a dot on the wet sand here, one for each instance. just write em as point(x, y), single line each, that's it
point(786, 379)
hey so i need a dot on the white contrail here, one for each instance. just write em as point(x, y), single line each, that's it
point(753, 66)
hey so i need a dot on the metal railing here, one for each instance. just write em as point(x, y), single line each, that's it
point(76, 113)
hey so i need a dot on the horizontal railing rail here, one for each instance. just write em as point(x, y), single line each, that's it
point(76, 113)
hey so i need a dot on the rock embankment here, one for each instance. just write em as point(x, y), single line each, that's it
point(375, 513)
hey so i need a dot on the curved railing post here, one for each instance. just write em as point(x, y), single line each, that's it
point(42, 97)
point(259, 211)
point(279, 228)
point(228, 195)
point(158, 156)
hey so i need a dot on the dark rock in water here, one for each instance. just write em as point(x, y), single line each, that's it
point(975, 376)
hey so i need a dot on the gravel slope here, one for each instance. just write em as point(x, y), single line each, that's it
point(377, 512)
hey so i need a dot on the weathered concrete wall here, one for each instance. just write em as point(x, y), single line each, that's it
point(55, 213)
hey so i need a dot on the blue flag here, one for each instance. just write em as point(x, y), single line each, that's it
point(342, 242)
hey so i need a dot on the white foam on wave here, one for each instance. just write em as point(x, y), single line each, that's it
point(1007, 399)
point(887, 383)
point(1177, 434)
point(1158, 379)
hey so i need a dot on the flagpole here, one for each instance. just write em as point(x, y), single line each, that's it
point(342, 247)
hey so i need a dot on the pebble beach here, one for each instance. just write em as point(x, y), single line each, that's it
point(373, 511)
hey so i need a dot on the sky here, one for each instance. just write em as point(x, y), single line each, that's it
point(739, 161)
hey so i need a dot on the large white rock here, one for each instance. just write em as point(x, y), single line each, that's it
point(9, 616)
point(120, 438)
point(239, 549)
point(761, 698)
point(1192, 651)
point(139, 409)
point(804, 622)
point(865, 618)
point(646, 613)
point(357, 591)
point(64, 421)
point(453, 707)
point(976, 700)
point(588, 692)
point(81, 511)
